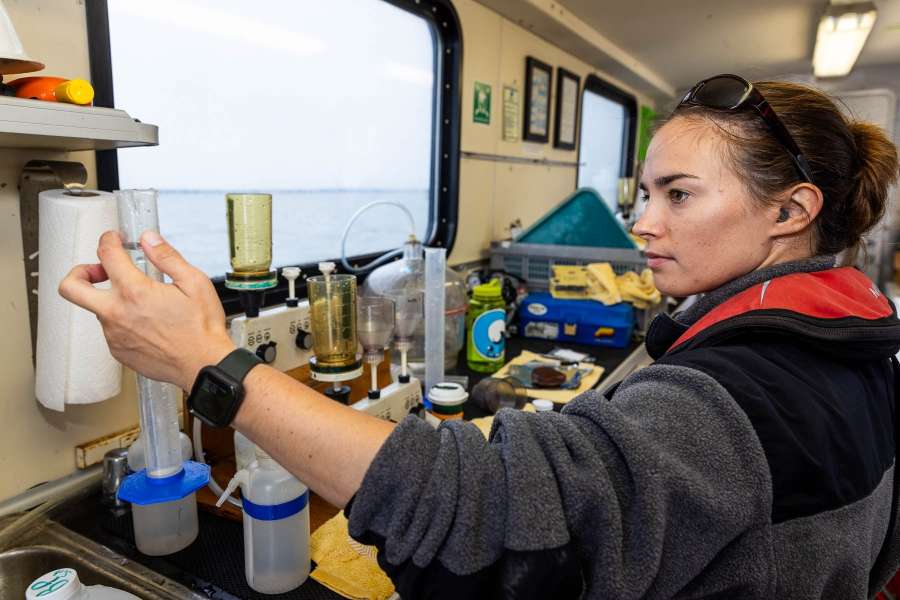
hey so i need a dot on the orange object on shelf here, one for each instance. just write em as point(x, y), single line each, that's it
point(54, 89)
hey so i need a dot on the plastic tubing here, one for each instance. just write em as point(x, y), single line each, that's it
point(158, 408)
point(384, 257)
point(198, 456)
point(435, 265)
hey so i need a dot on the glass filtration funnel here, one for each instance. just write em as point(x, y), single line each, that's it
point(409, 307)
point(250, 248)
point(332, 310)
point(374, 325)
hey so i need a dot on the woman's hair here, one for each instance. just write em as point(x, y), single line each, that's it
point(853, 162)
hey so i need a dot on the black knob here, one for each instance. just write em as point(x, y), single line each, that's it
point(267, 352)
point(304, 339)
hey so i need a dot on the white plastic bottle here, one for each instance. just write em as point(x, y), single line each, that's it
point(63, 584)
point(165, 527)
point(244, 451)
point(276, 525)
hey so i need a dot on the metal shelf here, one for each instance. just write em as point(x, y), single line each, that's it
point(39, 125)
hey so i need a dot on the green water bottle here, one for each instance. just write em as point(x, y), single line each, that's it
point(486, 328)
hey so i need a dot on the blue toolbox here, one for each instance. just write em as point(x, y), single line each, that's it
point(583, 321)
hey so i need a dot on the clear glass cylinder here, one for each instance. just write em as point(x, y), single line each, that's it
point(332, 310)
point(249, 232)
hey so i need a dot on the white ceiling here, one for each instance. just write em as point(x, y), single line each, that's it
point(687, 40)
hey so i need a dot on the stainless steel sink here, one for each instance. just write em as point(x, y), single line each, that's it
point(31, 544)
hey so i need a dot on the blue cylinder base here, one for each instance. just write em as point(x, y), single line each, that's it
point(140, 489)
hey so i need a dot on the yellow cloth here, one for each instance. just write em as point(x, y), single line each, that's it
point(599, 282)
point(345, 566)
point(485, 423)
point(569, 282)
point(638, 289)
point(603, 284)
point(559, 396)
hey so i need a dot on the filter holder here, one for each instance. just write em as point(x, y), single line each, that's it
point(142, 490)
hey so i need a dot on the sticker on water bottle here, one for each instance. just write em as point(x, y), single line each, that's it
point(489, 334)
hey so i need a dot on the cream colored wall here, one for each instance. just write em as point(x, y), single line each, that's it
point(37, 444)
point(494, 194)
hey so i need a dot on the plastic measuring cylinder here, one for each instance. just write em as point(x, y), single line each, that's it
point(166, 478)
point(64, 584)
point(435, 262)
point(276, 525)
point(486, 348)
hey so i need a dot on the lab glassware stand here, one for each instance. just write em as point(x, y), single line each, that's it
point(163, 495)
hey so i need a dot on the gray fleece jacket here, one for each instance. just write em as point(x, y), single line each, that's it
point(754, 459)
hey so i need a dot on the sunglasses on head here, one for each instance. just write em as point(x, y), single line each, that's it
point(731, 92)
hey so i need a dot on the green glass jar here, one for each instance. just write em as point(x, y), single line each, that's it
point(486, 341)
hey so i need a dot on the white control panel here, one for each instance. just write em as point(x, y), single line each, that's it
point(280, 336)
point(396, 401)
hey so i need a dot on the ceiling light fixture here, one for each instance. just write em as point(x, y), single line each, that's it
point(842, 34)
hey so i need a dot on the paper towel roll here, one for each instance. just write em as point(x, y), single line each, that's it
point(73, 363)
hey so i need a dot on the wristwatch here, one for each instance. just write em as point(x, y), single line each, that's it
point(218, 391)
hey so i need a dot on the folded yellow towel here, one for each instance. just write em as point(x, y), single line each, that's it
point(638, 289)
point(345, 566)
point(599, 282)
point(603, 284)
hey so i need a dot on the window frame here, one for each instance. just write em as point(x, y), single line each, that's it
point(446, 122)
point(607, 90)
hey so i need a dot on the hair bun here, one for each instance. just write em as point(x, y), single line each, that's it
point(877, 171)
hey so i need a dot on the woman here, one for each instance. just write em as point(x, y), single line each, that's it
point(754, 459)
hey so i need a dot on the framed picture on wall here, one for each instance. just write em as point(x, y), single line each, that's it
point(566, 119)
point(538, 77)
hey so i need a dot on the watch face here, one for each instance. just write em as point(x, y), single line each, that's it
point(214, 397)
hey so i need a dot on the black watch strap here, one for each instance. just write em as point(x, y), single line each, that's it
point(238, 363)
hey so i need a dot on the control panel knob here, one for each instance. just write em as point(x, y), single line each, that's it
point(267, 352)
point(304, 340)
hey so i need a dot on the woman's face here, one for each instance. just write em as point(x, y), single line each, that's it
point(701, 227)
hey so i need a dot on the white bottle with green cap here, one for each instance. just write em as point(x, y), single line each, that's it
point(63, 584)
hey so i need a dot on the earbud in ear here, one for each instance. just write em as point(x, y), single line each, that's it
point(784, 215)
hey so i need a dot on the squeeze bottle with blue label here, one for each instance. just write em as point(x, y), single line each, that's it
point(276, 525)
point(486, 343)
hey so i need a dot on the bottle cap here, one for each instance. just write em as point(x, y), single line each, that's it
point(55, 585)
point(489, 291)
point(541, 405)
point(75, 91)
point(447, 394)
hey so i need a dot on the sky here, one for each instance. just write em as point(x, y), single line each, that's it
point(274, 95)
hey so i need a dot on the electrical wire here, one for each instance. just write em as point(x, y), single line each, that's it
point(384, 257)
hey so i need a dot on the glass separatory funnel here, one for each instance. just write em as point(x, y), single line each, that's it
point(250, 247)
point(332, 311)
point(409, 307)
point(374, 324)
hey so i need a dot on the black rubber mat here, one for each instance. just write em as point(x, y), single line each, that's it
point(213, 565)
